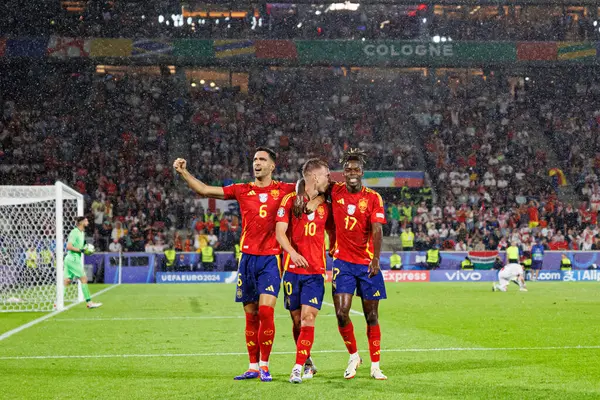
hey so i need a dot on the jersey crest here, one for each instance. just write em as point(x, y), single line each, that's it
point(275, 194)
point(363, 204)
point(321, 212)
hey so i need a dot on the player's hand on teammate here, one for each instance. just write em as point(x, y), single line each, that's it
point(298, 207)
point(312, 205)
point(180, 165)
point(298, 260)
point(374, 267)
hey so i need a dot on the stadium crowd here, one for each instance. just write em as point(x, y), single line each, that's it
point(164, 19)
point(111, 138)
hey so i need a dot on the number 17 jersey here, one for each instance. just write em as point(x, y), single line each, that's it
point(354, 214)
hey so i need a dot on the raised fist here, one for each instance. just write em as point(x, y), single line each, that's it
point(180, 165)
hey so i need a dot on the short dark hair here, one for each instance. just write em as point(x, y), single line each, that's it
point(270, 152)
point(79, 220)
point(313, 164)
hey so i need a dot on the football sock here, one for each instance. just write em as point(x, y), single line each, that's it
point(347, 333)
point(252, 325)
point(304, 344)
point(86, 292)
point(374, 335)
point(266, 333)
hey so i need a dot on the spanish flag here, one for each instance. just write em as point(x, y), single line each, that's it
point(559, 176)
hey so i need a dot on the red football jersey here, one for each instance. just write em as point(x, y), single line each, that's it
point(306, 234)
point(259, 208)
point(353, 214)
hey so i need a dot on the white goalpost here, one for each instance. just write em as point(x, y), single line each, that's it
point(34, 224)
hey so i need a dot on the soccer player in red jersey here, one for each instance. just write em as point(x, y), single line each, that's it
point(259, 272)
point(358, 214)
point(304, 262)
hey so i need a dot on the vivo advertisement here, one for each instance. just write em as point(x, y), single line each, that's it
point(149, 268)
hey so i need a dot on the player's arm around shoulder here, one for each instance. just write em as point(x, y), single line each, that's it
point(284, 218)
point(215, 192)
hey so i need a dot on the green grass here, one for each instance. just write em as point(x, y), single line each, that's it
point(161, 320)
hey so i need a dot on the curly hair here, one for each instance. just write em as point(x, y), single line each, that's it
point(354, 155)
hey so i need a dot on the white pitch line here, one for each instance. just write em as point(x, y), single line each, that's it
point(351, 310)
point(21, 328)
point(430, 350)
point(166, 318)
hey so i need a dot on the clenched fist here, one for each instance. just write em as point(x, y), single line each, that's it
point(180, 165)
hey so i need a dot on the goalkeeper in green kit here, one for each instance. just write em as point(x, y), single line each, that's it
point(73, 264)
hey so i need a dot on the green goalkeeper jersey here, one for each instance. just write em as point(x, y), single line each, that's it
point(77, 239)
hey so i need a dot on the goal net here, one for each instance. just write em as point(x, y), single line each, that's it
point(34, 224)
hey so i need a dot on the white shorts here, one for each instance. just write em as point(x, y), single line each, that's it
point(510, 272)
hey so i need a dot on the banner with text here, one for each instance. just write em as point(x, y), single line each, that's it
point(302, 52)
point(196, 277)
point(145, 267)
point(568, 276)
point(463, 276)
point(397, 276)
point(353, 52)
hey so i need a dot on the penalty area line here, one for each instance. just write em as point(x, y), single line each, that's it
point(416, 350)
point(21, 328)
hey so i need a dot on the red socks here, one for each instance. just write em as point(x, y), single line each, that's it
point(347, 333)
point(266, 332)
point(252, 325)
point(374, 335)
point(304, 344)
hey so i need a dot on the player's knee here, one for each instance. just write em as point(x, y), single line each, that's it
point(372, 318)
point(343, 317)
point(308, 319)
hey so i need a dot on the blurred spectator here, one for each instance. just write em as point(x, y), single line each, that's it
point(115, 247)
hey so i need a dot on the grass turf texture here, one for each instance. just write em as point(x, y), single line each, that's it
point(139, 325)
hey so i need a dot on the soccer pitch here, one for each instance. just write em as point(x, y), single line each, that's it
point(439, 341)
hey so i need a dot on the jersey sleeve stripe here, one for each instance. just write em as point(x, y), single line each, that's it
point(286, 198)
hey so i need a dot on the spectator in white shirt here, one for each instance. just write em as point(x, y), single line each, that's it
point(115, 246)
point(212, 240)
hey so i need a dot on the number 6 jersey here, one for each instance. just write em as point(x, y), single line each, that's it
point(258, 206)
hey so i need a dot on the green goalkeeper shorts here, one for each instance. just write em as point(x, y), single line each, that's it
point(73, 269)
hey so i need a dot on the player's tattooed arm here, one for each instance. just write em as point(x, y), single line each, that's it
point(377, 239)
point(215, 192)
